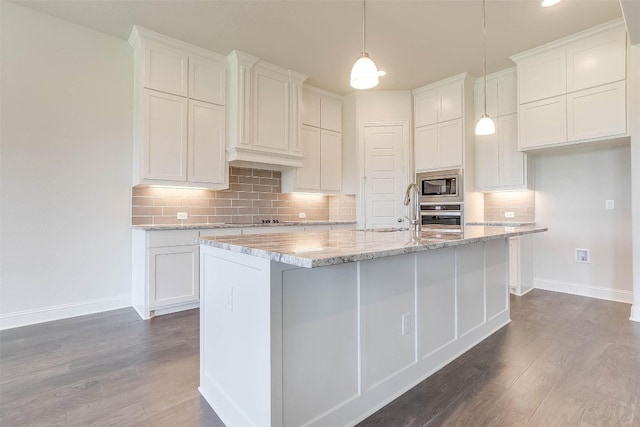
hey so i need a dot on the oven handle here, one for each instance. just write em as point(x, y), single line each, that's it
point(441, 213)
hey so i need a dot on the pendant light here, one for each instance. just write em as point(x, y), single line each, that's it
point(365, 74)
point(485, 125)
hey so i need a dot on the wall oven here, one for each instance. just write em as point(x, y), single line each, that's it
point(440, 187)
point(442, 217)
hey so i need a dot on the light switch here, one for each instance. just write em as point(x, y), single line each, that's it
point(610, 204)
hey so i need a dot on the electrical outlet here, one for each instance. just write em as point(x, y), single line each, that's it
point(610, 204)
point(228, 301)
point(582, 256)
point(407, 324)
point(302, 215)
point(182, 215)
point(509, 215)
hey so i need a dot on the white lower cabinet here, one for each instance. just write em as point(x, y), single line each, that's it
point(520, 264)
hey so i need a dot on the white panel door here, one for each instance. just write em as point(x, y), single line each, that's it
point(597, 60)
point(492, 98)
point(271, 110)
point(165, 136)
point(331, 161)
point(207, 80)
point(507, 97)
point(426, 148)
point(487, 162)
point(308, 176)
point(450, 102)
point(597, 112)
point(425, 108)
point(511, 160)
point(331, 114)
point(543, 122)
point(385, 178)
point(166, 69)
point(174, 275)
point(450, 144)
point(206, 148)
point(542, 76)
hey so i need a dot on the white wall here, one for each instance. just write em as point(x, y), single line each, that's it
point(66, 163)
point(634, 97)
point(571, 189)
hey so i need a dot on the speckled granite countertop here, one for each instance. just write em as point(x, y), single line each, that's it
point(501, 223)
point(221, 225)
point(323, 248)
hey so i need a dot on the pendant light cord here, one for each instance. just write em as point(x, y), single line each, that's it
point(484, 53)
point(364, 24)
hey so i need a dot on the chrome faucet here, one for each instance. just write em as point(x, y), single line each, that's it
point(415, 222)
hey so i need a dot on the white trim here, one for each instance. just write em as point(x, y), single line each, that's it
point(458, 78)
point(635, 313)
point(63, 311)
point(584, 290)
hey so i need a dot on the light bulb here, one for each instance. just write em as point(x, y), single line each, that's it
point(485, 126)
point(364, 74)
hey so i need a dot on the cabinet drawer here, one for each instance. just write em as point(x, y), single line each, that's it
point(171, 238)
point(597, 112)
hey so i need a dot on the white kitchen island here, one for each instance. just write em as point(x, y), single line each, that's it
point(324, 328)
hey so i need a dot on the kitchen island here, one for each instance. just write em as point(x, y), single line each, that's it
point(324, 328)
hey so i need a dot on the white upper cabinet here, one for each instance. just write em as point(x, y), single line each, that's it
point(574, 90)
point(265, 114)
point(207, 80)
point(499, 165)
point(180, 120)
point(165, 69)
point(439, 136)
point(321, 145)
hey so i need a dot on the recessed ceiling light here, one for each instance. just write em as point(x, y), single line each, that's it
point(547, 3)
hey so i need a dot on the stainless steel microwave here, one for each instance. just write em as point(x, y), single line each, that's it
point(441, 186)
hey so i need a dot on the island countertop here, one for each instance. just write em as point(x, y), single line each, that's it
point(324, 248)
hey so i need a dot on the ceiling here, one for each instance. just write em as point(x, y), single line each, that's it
point(415, 41)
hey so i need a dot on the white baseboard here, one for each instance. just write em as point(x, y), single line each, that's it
point(64, 311)
point(584, 290)
point(635, 313)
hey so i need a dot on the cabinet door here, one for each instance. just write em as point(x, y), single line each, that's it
point(487, 160)
point(425, 108)
point(310, 109)
point(542, 76)
point(331, 161)
point(271, 110)
point(174, 275)
point(206, 148)
point(597, 112)
point(331, 114)
point(543, 122)
point(426, 148)
point(165, 136)
point(506, 94)
point(450, 102)
point(207, 80)
point(308, 176)
point(511, 160)
point(450, 143)
point(597, 60)
point(166, 69)
point(492, 99)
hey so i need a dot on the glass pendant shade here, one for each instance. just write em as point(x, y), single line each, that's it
point(485, 126)
point(364, 74)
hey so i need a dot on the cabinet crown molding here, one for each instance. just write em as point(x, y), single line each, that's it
point(497, 75)
point(462, 77)
point(139, 35)
point(616, 23)
point(242, 58)
point(323, 92)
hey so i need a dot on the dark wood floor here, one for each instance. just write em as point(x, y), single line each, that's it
point(563, 361)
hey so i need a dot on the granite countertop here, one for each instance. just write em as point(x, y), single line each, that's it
point(501, 223)
point(323, 248)
point(225, 225)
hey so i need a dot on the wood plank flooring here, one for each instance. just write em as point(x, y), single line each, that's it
point(564, 360)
